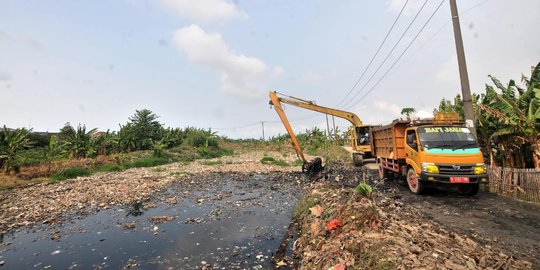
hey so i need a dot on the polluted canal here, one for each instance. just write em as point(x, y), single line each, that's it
point(216, 220)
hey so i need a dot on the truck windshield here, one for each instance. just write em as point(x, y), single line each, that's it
point(446, 137)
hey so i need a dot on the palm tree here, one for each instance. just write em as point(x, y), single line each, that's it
point(516, 110)
point(12, 141)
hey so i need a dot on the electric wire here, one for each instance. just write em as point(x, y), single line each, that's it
point(434, 35)
point(401, 55)
point(389, 54)
point(374, 56)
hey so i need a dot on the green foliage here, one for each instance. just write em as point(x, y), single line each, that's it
point(267, 160)
point(78, 142)
point(507, 120)
point(407, 112)
point(364, 189)
point(211, 162)
point(110, 168)
point(106, 143)
point(69, 173)
point(271, 160)
point(446, 106)
point(149, 162)
point(141, 131)
point(12, 141)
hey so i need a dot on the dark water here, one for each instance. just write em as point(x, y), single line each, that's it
point(226, 221)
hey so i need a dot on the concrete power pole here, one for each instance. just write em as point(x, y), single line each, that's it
point(262, 123)
point(464, 76)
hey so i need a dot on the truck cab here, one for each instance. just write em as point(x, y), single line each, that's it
point(441, 154)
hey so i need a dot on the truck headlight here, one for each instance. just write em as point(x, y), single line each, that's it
point(430, 168)
point(479, 169)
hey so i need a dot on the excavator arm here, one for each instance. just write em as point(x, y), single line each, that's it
point(359, 142)
point(274, 100)
point(310, 105)
point(310, 167)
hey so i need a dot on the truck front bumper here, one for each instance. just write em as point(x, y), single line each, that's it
point(443, 178)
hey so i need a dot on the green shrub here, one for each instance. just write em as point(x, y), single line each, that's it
point(211, 162)
point(280, 163)
point(149, 162)
point(69, 173)
point(267, 160)
point(271, 160)
point(110, 168)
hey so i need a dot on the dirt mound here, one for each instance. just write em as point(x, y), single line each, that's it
point(342, 229)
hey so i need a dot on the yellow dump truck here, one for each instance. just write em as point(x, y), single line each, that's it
point(437, 152)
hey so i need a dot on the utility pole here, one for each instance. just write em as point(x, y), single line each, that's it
point(328, 128)
point(262, 123)
point(464, 76)
point(335, 130)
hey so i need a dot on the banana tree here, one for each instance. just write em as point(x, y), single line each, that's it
point(12, 142)
point(516, 111)
point(78, 142)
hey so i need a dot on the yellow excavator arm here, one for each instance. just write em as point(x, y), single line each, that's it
point(360, 143)
point(274, 100)
point(310, 105)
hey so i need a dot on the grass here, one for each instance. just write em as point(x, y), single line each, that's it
point(303, 205)
point(211, 162)
point(371, 258)
point(270, 160)
point(149, 162)
point(71, 172)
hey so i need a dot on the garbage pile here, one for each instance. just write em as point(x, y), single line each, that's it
point(364, 228)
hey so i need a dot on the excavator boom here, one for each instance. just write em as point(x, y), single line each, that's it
point(360, 141)
point(274, 100)
point(310, 105)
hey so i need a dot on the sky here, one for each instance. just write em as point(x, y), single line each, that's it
point(211, 63)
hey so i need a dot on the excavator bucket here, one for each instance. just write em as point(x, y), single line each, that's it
point(312, 167)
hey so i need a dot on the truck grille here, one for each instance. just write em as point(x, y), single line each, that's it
point(456, 169)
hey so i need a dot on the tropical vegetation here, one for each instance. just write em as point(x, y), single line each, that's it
point(507, 120)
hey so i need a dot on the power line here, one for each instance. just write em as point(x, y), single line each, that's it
point(435, 34)
point(375, 55)
point(401, 55)
point(390, 53)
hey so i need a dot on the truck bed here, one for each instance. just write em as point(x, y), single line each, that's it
point(389, 141)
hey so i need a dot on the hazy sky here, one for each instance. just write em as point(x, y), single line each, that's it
point(211, 63)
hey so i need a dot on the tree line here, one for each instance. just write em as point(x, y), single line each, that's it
point(20, 147)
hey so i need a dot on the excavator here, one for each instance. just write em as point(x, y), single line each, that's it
point(359, 132)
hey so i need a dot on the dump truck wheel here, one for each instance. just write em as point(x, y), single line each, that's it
point(469, 190)
point(358, 159)
point(414, 183)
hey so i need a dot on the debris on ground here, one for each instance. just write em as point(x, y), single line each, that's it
point(48, 203)
point(381, 233)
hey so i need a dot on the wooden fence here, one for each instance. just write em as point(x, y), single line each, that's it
point(523, 184)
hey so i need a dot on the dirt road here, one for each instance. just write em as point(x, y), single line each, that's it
point(498, 221)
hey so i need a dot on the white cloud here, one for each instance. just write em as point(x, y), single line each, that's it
point(241, 75)
point(391, 108)
point(206, 11)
